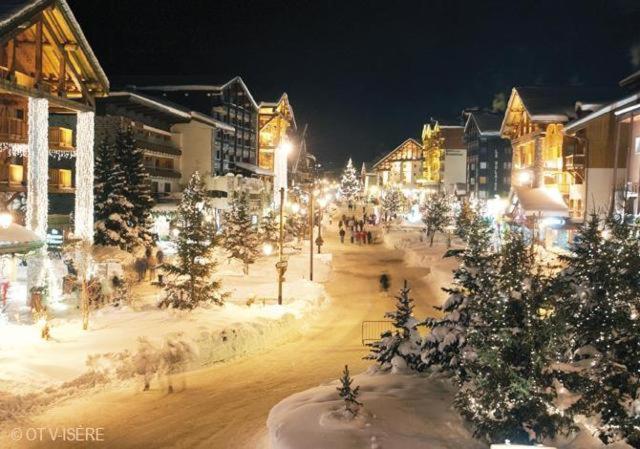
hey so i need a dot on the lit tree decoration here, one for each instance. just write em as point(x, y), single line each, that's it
point(83, 212)
point(349, 394)
point(404, 343)
point(463, 218)
point(270, 229)
point(392, 202)
point(598, 307)
point(507, 392)
point(437, 214)
point(350, 184)
point(297, 226)
point(239, 235)
point(445, 345)
point(38, 173)
point(190, 282)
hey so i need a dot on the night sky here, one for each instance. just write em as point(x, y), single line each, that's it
point(366, 75)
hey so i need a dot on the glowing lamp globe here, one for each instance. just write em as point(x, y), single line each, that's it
point(295, 208)
point(5, 220)
point(267, 249)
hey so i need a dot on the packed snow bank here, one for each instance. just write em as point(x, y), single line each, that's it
point(129, 341)
point(418, 253)
point(400, 411)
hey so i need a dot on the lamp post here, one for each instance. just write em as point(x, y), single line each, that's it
point(311, 214)
point(281, 265)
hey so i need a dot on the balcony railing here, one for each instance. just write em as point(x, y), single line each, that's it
point(161, 172)
point(13, 130)
point(574, 161)
point(60, 179)
point(60, 138)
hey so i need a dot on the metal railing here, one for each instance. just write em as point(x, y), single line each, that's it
point(372, 330)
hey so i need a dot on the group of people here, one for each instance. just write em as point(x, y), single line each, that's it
point(356, 228)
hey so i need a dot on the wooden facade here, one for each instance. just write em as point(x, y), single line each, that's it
point(402, 166)
point(274, 122)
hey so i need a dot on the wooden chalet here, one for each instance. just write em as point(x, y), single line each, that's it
point(402, 166)
point(49, 80)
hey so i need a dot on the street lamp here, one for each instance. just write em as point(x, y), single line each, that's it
point(281, 265)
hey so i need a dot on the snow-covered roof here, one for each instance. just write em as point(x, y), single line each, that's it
point(18, 239)
point(544, 201)
point(202, 87)
point(254, 169)
point(177, 110)
point(488, 123)
point(198, 116)
point(612, 107)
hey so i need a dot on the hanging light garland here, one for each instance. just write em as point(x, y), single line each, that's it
point(84, 176)
point(38, 172)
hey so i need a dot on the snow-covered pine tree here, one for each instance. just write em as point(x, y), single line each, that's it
point(445, 344)
point(392, 202)
point(463, 218)
point(508, 393)
point(270, 229)
point(349, 184)
point(437, 214)
point(113, 211)
point(240, 236)
point(297, 225)
point(190, 275)
point(349, 394)
point(131, 159)
point(402, 346)
point(599, 307)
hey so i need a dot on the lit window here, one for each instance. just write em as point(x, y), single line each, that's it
point(482, 179)
point(483, 165)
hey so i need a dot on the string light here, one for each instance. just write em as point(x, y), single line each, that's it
point(84, 176)
point(38, 172)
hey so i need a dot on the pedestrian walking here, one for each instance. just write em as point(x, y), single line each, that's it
point(340, 224)
point(342, 233)
point(352, 236)
point(385, 282)
point(369, 237)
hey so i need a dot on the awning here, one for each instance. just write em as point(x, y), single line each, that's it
point(254, 169)
point(542, 201)
point(18, 239)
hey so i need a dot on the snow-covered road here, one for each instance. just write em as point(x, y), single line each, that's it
point(225, 406)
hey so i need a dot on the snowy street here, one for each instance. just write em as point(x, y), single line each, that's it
point(226, 405)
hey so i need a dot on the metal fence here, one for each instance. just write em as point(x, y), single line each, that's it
point(371, 330)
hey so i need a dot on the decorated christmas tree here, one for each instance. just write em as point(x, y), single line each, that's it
point(270, 229)
point(437, 214)
point(463, 218)
point(507, 393)
point(350, 184)
point(130, 157)
point(349, 394)
point(445, 345)
point(599, 306)
point(392, 202)
point(239, 235)
point(400, 348)
point(113, 211)
point(190, 275)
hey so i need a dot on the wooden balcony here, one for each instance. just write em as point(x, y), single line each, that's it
point(13, 178)
point(60, 138)
point(13, 130)
point(60, 180)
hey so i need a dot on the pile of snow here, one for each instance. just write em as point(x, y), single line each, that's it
point(134, 341)
point(400, 411)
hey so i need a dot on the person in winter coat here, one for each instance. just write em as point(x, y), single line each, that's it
point(342, 233)
point(385, 282)
point(353, 237)
point(369, 237)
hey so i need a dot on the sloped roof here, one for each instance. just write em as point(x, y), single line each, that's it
point(201, 87)
point(559, 103)
point(410, 140)
point(453, 137)
point(488, 123)
point(543, 201)
point(14, 12)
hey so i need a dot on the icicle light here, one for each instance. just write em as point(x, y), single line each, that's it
point(84, 176)
point(38, 168)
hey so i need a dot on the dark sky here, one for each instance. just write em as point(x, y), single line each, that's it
point(366, 75)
